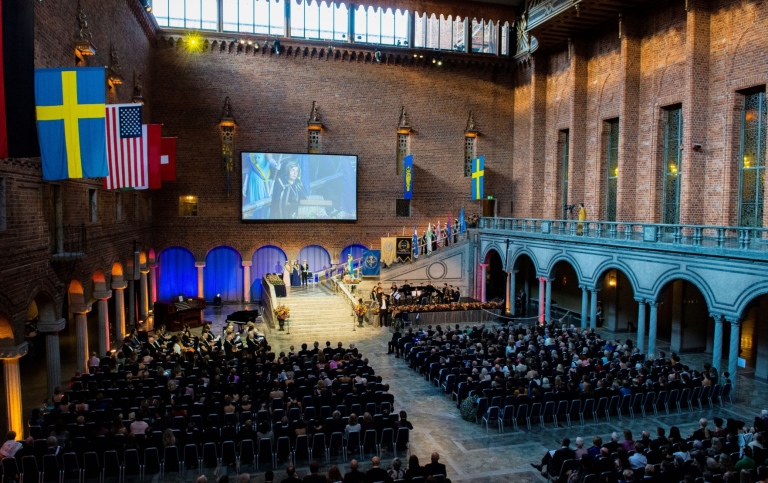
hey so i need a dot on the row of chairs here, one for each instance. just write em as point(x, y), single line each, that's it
point(563, 411)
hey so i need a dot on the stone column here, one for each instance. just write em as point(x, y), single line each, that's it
point(152, 285)
point(80, 308)
point(506, 294)
point(641, 325)
point(483, 272)
point(51, 330)
point(143, 295)
point(733, 355)
point(584, 306)
point(511, 293)
point(102, 297)
point(652, 328)
point(548, 300)
point(119, 285)
point(10, 359)
point(542, 289)
point(200, 266)
point(247, 281)
point(593, 308)
point(717, 346)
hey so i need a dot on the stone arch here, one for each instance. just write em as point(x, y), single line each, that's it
point(227, 245)
point(526, 252)
point(601, 270)
point(46, 305)
point(567, 258)
point(496, 279)
point(493, 246)
point(693, 278)
point(745, 298)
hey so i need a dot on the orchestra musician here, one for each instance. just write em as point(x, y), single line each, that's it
point(382, 302)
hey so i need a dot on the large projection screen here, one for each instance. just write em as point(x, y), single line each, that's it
point(292, 187)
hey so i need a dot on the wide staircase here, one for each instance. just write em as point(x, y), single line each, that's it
point(316, 314)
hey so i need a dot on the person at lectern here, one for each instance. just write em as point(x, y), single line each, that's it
point(287, 192)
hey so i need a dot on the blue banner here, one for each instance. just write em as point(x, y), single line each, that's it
point(408, 177)
point(478, 177)
point(371, 263)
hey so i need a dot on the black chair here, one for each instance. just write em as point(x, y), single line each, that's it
point(265, 453)
point(72, 467)
point(301, 448)
point(336, 444)
point(132, 464)
point(387, 440)
point(91, 466)
point(229, 454)
point(151, 462)
point(403, 440)
point(319, 448)
point(352, 444)
point(171, 462)
point(247, 453)
point(112, 467)
point(29, 470)
point(210, 455)
point(283, 449)
point(191, 457)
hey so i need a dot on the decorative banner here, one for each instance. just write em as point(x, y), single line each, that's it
point(371, 263)
point(388, 250)
point(404, 249)
point(478, 177)
point(408, 177)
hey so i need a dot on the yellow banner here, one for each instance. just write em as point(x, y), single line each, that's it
point(388, 250)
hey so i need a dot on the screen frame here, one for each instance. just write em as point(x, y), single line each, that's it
point(300, 220)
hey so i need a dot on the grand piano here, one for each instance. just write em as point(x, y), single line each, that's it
point(174, 314)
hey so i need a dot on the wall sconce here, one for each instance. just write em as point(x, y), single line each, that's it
point(314, 127)
point(377, 56)
point(403, 141)
point(276, 46)
point(440, 60)
point(612, 280)
point(83, 45)
point(227, 128)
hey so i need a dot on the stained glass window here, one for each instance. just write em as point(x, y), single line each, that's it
point(314, 141)
point(673, 140)
point(752, 160)
point(612, 169)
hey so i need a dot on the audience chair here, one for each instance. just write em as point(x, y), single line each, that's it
point(191, 457)
point(265, 454)
point(352, 445)
point(131, 464)
point(403, 441)
point(336, 444)
point(112, 466)
point(29, 470)
point(72, 467)
point(171, 462)
point(210, 456)
point(318, 448)
point(247, 453)
point(152, 464)
point(492, 416)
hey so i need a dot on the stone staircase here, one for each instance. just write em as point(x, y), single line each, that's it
point(316, 313)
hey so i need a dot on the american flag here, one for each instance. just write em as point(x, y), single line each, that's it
point(126, 147)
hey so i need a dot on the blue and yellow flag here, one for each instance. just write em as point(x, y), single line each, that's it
point(478, 177)
point(71, 122)
point(408, 177)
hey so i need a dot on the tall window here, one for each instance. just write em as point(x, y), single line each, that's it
point(612, 169)
point(319, 20)
point(752, 158)
point(673, 140)
point(484, 36)
point(563, 143)
point(313, 141)
point(119, 206)
point(402, 151)
point(379, 26)
point(93, 206)
point(438, 33)
point(188, 205)
point(190, 14)
point(253, 16)
point(3, 212)
point(470, 150)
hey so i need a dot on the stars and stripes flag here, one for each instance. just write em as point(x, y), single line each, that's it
point(126, 148)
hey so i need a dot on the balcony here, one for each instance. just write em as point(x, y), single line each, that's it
point(70, 243)
point(726, 241)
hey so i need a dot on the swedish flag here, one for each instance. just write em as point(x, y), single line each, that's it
point(478, 177)
point(71, 122)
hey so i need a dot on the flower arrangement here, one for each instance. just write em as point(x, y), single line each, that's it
point(473, 220)
point(360, 310)
point(348, 279)
point(274, 279)
point(282, 312)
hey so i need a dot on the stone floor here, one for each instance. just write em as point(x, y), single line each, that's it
point(470, 453)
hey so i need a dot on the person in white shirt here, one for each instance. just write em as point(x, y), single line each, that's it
point(11, 446)
point(138, 426)
point(93, 362)
point(638, 460)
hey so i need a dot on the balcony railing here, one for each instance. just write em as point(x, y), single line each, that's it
point(705, 236)
point(70, 242)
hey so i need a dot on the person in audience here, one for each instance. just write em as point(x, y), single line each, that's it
point(435, 467)
point(396, 472)
point(638, 460)
point(11, 446)
point(745, 462)
point(291, 475)
point(376, 473)
point(314, 476)
point(334, 475)
point(354, 475)
point(554, 459)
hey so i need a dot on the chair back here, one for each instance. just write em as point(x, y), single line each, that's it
point(111, 464)
point(151, 461)
point(210, 455)
point(191, 458)
point(247, 452)
point(131, 463)
point(91, 466)
point(29, 468)
point(171, 462)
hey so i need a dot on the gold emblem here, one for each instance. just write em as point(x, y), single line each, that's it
point(371, 261)
point(408, 179)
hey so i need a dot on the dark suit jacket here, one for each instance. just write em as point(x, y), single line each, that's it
point(355, 476)
point(434, 469)
point(556, 462)
point(377, 474)
point(314, 479)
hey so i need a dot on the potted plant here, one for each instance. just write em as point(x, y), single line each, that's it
point(282, 312)
point(360, 311)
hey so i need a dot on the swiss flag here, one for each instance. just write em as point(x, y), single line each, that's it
point(168, 159)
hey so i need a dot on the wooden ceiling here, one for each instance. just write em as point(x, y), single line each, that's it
point(553, 21)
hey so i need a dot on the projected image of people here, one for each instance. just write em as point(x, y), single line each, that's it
point(299, 186)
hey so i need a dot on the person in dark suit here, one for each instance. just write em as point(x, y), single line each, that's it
point(304, 272)
point(382, 302)
point(354, 475)
point(377, 474)
point(553, 460)
point(313, 476)
point(435, 468)
point(392, 344)
point(292, 478)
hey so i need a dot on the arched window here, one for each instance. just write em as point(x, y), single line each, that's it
point(752, 159)
point(176, 273)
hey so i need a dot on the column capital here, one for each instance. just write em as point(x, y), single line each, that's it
point(102, 294)
point(733, 319)
point(199, 264)
point(595, 289)
point(144, 271)
point(483, 265)
point(152, 265)
point(652, 303)
point(512, 271)
point(51, 327)
point(14, 352)
point(640, 300)
point(122, 285)
point(718, 317)
point(545, 279)
point(80, 308)
point(248, 263)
